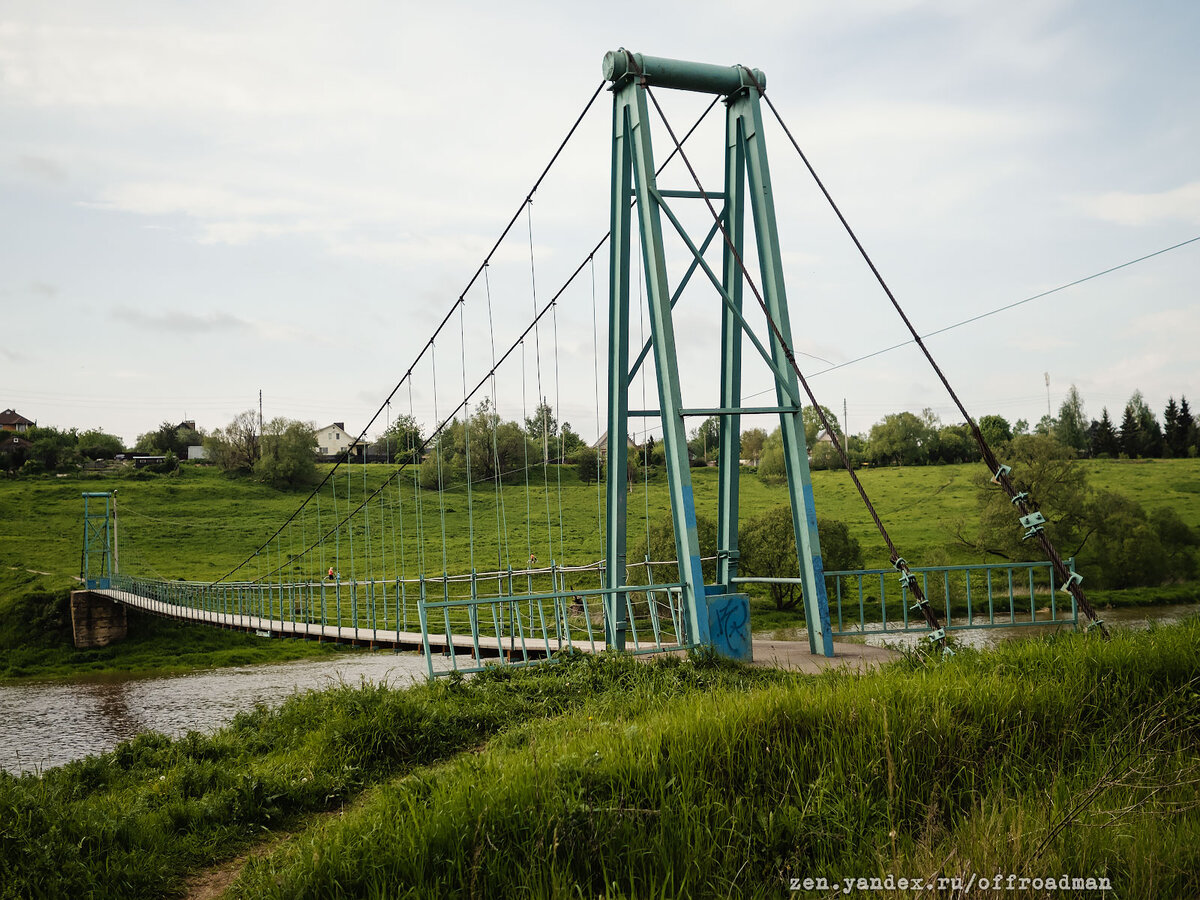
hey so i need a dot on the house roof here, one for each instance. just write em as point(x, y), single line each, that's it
point(602, 444)
point(12, 417)
point(9, 443)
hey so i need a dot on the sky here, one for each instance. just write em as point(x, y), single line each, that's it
point(205, 201)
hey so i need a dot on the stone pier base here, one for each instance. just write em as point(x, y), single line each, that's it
point(96, 621)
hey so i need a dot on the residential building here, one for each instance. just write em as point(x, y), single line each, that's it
point(11, 420)
point(333, 440)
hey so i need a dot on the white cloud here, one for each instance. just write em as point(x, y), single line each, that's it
point(1180, 204)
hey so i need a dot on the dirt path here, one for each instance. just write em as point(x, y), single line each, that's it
point(211, 883)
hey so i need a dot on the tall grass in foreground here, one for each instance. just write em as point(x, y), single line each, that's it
point(1067, 756)
point(132, 822)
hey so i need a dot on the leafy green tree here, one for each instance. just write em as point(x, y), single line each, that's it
point(289, 454)
point(752, 444)
point(169, 438)
point(772, 466)
point(587, 466)
point(1054, 479)
point(96, 444)
point(569, 443)
point(767, 544)
point(1072, 426)
point(901, 439)
point(52, 449)
point(995, 430)
point(705, 440)
point(1123, 548)
point(236, 447)
point(1179, 541)
point(661, 546)
point(542, 429)
point(813, 425)
point(401, 441)
point(955, 444)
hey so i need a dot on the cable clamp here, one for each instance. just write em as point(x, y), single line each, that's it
point(907, 578)
point(934, 636)
point(946, 651)
point(1000, 473)
point(1099, 623)
point(920, 604)
point(899, 564)
point(1075, 578)
point(1032, 524)
point(1020, 498)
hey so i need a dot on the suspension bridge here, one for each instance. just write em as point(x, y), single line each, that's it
point(462, 548)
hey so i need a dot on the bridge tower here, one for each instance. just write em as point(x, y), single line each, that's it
point(96, 561)
point(715, 614)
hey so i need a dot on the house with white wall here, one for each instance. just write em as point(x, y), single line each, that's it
point(333, 440)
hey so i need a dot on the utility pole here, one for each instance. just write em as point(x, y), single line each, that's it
point(1049, 415)
point(260, 422)
point(845, 427)
point(116, 566)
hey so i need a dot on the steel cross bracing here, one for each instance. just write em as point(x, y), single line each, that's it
point(528, 613)
point(634, 178)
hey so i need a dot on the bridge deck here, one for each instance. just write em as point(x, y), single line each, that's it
point(401, 640)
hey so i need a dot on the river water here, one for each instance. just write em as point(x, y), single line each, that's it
point(45, 724)
point(48, 724)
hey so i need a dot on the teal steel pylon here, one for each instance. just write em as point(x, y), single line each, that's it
point(95, 566)
point(708, 609)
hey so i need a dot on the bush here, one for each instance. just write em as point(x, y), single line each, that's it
point(768, 550)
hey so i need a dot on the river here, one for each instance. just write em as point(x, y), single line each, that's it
point(44, 724)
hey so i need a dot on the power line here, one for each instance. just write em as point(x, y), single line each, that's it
point(999, 309)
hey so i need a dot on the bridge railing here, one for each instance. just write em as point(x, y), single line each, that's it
point(513, 617)
point(987, 595)
point(522, 618)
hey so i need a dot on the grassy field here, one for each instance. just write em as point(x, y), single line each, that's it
point(609, 777)
point(199, 524)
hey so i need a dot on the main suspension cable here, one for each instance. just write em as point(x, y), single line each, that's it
point(446, 319)
point(1031, 518)
point(439, 426)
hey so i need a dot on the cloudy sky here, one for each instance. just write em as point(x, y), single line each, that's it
point(202, 201)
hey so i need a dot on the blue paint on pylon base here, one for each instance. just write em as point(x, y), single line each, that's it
point(729, 626)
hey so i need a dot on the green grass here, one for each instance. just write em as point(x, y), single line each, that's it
point(199, 524)
point(611, 777)
point(35, 639)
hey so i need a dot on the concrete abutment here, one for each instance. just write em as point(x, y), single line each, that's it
point(96, 620)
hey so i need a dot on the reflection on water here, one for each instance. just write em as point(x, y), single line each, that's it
point(43, 725)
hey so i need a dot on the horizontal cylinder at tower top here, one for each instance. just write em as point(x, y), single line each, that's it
point(680, 75)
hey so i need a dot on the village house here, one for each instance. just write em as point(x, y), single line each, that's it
point(11, 420)
point(333, 441)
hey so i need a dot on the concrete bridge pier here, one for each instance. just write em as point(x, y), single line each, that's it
point(96, 620)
